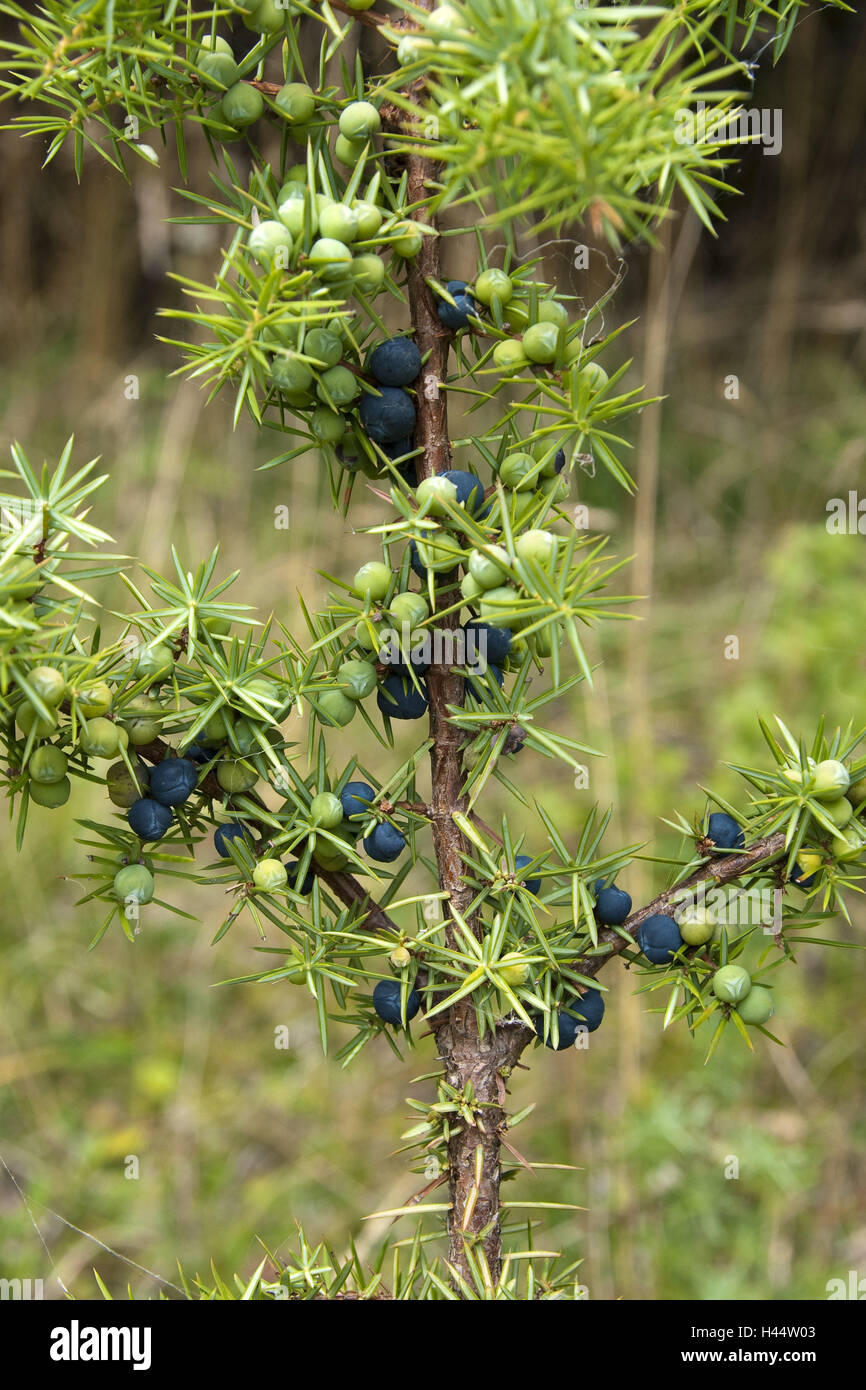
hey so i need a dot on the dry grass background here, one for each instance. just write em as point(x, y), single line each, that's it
point(131, 1050)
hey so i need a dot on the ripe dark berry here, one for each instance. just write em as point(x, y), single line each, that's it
point(395, 362)
point(197, 755)
point(232, 830)
point(388, 416)
point(149, 819)
point(568, 1027)
point(589, 1007)
point(415, 561)
point(406, 658)
point(385, 844)
point(724, 831)
point(398, 448)
point(470, 490)
point(456, 315)
point(612, 905)
point(173, 781)
point(304, 887)
point(400, 699)
point(486, 643)
point(659, 938)
point(532, 885)
point(356, 798)
point(386, 1001)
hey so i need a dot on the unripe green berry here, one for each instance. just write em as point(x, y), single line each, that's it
point(47, 764)
point(758, 1006)
point(400, 958)
point(831, 780)
point(27, 719)
point(217, 69)
point(270, 875)
point(519, 471)
point(470, 588)
point(487, 569)
point(298, 216)
point(99, 738)
point(408, 241)
point(732, 983)
point(141, 731)
point(48, 683)
point(135, 883)
point(368, 274)
point(213, 43)
point(296, 101)
point(433, 491)
point(327, 425)
point(235, 778)
point(291, 375)
point(326, 810)
point(697, 924)
point(329, 258)
point(515, 975)
point(497, 606)
point(537, 546)
point(50, 794)
point(334, 708)
point(242, 105)
point(595, 375)
point(369, 218)
point(338, 222)
point(357, 679)
point(372, 580)
point(216, 730)
point(551, 311)
point(509, 356)
point(156, 662)
point(96, 699)
point(440, 553)
point(540, 342)
point(839, 811)
point(493, 284)
point(409, 608)
point(266, 18)
point(325, 347)
point(270, 243)
point(359, 121)
point(339, 386)
point(348, 152)
point(123, 788)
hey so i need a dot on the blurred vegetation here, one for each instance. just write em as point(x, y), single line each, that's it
point(133, 1050)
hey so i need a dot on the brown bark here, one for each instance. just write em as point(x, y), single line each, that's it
point(470, 1062)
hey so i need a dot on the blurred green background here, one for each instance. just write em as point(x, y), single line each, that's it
point(131, 1049)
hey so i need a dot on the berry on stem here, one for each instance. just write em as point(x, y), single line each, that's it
point(385, 843)
point(149, 819)
point(173, 781)
point(731, 983)
point(724, 831)
point(612, 904)
point(399, 698)
point(231, 830)
point(355, 797)
point(659, 938)
point(386, 1002)
point(396, 362)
